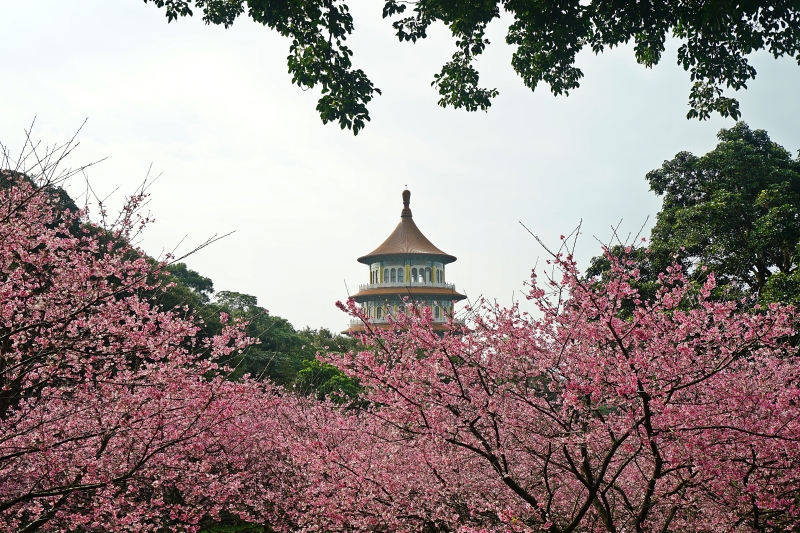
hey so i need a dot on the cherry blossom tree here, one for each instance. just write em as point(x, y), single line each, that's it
point(113, 417)
point(683, 417)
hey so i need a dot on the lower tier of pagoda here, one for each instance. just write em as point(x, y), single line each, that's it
point(409, 292)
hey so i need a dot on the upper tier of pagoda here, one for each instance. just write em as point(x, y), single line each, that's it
point(407, 269)
point(406, 239)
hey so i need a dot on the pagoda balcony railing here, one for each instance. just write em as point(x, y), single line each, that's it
point(404, 284)
point(385, 320)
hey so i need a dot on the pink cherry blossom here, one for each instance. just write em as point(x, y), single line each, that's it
point(681, 417)
point(108, 420)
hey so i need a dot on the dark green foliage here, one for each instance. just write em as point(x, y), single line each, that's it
point(716, 38)
point(458, 85)
point(279, 354)
point(185, 288)
point(324, 380)
point(201, 286)
point(324, 340)
point(782, 287)
point(282, 352)
point(318, 54)
point(229, 523)
point(187, 293)
point(57, 196)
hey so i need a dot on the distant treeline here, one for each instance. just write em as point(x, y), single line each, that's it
point(284, 355)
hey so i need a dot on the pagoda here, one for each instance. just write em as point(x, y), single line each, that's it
point(406, 269)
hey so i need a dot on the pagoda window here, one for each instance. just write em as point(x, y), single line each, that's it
point(428, 275)
point(378, 313)
point(438, 276)
point(394, 275)
point(414, 278)
point(436, 312)
point(386, 275)
point(401, 274)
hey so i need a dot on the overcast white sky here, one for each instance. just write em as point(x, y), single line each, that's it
point(240, 148)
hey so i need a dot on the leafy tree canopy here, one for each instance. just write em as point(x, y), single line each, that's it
point(716, 38)
point(202, 286)
point(324, 380)
point(734, 211)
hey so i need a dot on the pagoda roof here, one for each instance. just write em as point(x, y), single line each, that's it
point(406, 239)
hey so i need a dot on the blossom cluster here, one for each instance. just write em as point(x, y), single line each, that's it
point(113, 417)
point(683, 415)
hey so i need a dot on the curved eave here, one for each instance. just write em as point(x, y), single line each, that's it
point(412, 293)
point(403, 257)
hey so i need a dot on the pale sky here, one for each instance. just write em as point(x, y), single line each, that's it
point(240, 148)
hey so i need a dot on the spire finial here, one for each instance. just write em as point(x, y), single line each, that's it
point(406, 212)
